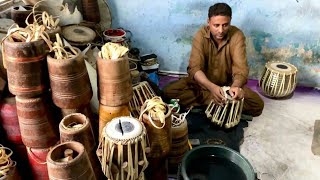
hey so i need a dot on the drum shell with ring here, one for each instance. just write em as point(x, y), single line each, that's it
point(69, 80)
point(278, 79)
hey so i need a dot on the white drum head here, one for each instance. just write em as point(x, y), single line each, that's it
point(282, 67)
point(123, 128)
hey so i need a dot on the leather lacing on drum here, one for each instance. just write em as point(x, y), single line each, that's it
point(6, 164)
point(218, 114)
point(141, 93)
point(108, 145)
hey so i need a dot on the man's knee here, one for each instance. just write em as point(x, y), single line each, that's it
point(258, 108)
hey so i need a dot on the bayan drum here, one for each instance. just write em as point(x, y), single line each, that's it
point(141, 92)
point(227, 115)
point(278, 79)
point(122, 149)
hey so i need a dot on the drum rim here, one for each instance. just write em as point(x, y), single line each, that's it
point(293, 70)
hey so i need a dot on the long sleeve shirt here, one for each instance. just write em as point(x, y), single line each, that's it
point(221, 65)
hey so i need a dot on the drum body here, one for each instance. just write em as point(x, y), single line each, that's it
point(278, 79)
point(141, 92)
point(228, 115)
point(121, 150)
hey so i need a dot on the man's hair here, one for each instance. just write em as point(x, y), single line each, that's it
point(220, 9)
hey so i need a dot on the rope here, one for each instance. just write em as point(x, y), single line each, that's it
point(155, 108)
point(5, 162)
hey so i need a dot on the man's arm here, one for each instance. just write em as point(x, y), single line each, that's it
point(216, 91)
point(240, 69)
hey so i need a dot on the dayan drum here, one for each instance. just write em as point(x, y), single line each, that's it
point(122, 149)
point(141, 92)
point(278, 79)
point(227, 115)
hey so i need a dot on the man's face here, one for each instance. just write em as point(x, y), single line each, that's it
point(219, 26)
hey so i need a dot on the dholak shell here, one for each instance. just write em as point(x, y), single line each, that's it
point(9, 120)
point(160, 139)
point(82, 134)
point(278, 79)
point(37, 161)
point(107, 113)
point(26, 67)
point(77, 168)
point(114, 82)
point(69, 80)
point(35, 125)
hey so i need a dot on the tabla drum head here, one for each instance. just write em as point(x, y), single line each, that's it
point(281, 67)
point(123, 128)
point(78, 34)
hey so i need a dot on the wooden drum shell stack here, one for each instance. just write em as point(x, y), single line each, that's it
point(83, 134)
point(114, 89)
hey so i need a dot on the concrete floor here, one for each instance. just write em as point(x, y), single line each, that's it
point(278, 143)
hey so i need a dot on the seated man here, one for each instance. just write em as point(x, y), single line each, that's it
point(218, 58)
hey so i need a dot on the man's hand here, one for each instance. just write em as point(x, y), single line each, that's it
point(236, 93)
point(217, 94)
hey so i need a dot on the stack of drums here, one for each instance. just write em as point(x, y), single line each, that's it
point(278, 79)
point(114, 89)
point(77, 127)
point(28, 81)
point(159, 140)
point(122, 149)
point(180, 144)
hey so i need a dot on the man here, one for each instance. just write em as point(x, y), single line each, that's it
point(218, 58)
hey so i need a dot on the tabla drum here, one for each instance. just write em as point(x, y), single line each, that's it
point(278, 79)
point(78, 35)
point(122, 149)
point(141, 92)
point(228, 115)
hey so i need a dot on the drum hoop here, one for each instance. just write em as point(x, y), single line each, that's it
point(292, 70)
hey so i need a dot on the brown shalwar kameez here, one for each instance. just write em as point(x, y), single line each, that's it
point(221, 66)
